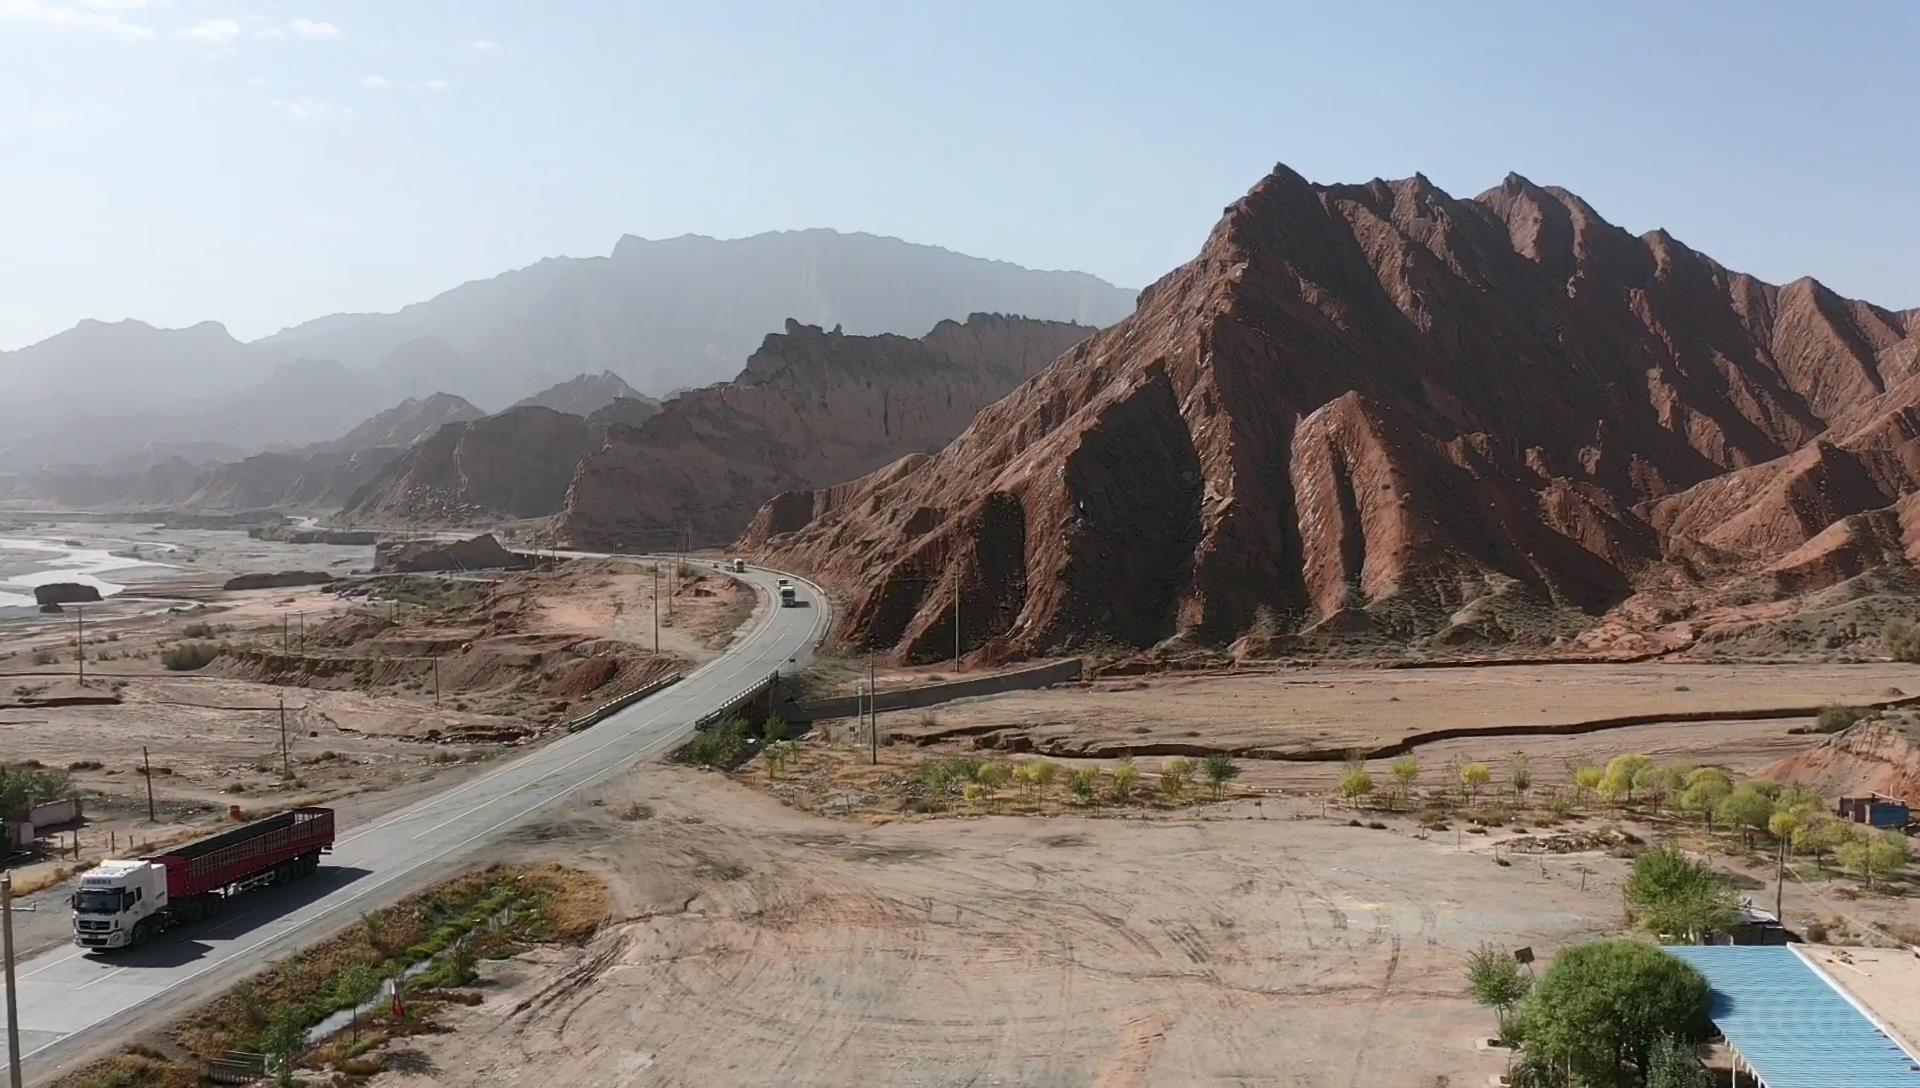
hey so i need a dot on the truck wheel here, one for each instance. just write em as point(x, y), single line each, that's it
point(142, 933)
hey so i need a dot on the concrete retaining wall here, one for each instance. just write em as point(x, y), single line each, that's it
point(846, 706)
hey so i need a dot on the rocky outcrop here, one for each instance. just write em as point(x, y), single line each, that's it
point(58, 593)
point(516, 464)
point(588, 394)
point(278, 579)
point(811, 408)
point(1371, 406)
point(415, 556)
point(403, 424)
point(1875, 756)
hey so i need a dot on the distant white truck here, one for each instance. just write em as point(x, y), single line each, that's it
point(739, 565)
point(788, 596)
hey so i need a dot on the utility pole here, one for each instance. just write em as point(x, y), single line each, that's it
point(13, 1006)
point(873, 715)
point(80, 641)
point(286, 636)
point(303, 630)
point(148, 763)
point(956, 623)
point(656, 606)
point(1779, 882)
point(286, 761)
point(436, 680)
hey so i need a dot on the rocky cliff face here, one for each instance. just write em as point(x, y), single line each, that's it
point(811, 408)
point(587, 394)
point(1377, 405)
point(514, 464)
point(403, 424)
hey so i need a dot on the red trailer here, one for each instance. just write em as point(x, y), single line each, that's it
point(123, 904)
point(245, 853)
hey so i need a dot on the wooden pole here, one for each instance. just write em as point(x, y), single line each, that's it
point(13, 1006)
point(873, 715)
point(286, 761)
point(149, 767)
point(80, 641)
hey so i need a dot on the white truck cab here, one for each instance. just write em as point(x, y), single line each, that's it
point(116, 898)
point(788, 596)
point(739, 566)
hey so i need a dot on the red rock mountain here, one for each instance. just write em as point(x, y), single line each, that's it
point(1374, 405)
point(811, 408)
point(515, 464)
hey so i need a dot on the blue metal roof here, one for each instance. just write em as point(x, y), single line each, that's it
point(1793, 1028)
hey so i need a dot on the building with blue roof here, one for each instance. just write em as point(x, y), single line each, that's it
point(1790, 1026)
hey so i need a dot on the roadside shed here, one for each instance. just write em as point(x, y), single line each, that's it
point(1789, 1026)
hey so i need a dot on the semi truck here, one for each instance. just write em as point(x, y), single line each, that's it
point(126, 903)
point(739, 566)
point(788, 596)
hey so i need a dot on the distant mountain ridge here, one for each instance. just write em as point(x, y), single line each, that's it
point(663, 315)
point(586, 394)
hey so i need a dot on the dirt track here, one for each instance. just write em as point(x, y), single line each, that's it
point(763, 946)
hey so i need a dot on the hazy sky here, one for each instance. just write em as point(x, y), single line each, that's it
point(259, 162)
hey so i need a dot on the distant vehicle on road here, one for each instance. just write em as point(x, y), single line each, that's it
point(788, 596)
point(124, 904)
point(739, 566)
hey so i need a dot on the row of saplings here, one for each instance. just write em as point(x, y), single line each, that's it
point(1797, 820)
point(1617, 1013)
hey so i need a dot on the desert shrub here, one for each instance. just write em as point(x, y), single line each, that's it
point(1220, 769)
point(197, 630)
point(1835, 717)
point(188, 656)
point(1083, 783)
point(1902, 640)
point(1175, 773)
point(45, 657)
point(1126, 778)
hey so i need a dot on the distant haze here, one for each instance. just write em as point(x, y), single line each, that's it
point(657, 315)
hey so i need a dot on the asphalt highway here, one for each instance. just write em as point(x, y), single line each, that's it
point(69, 1000)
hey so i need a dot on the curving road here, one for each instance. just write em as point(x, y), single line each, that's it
point(69, 1000)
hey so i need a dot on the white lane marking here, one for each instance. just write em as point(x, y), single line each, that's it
point(295, 924)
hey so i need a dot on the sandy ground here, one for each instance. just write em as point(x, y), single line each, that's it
point(215, 740)
point(759, 945)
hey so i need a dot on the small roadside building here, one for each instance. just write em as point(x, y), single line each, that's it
point(1877, 810)
point(1789, 1025)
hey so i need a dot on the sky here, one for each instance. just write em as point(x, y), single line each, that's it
point(259, 162)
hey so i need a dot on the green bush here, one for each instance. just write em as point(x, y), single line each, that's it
point(1834, 717)
point(1902, 640)
point(722, 746)
point(188, 656)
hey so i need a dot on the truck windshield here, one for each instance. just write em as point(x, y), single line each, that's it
point(98, 901)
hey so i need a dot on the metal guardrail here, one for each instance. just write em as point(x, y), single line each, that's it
point(621, 702)
point(237, 1067)
point(732, 706)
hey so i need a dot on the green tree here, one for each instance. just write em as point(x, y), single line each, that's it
point(774, 729)
point(992, 777)
point(285, 1040)
point(1622, 775)
point(1083, 783)
point(1706, 788)
point(1747, 809)
point(1674, 1064)
point(1220, 769)
point(1601, 1007)
point(1042, 772)
point(973, 793)
point(1405, 771)
point(1869, 855)
point(1520, 774)
point(355, 983)
point(1674, 895)
point(1473, 776)
point(1783, 824)
point(1586, 779)
point(1497, 981)
point(1175, 773)
point(1126, 778)
point(1820, 835)
point(1355, 783)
